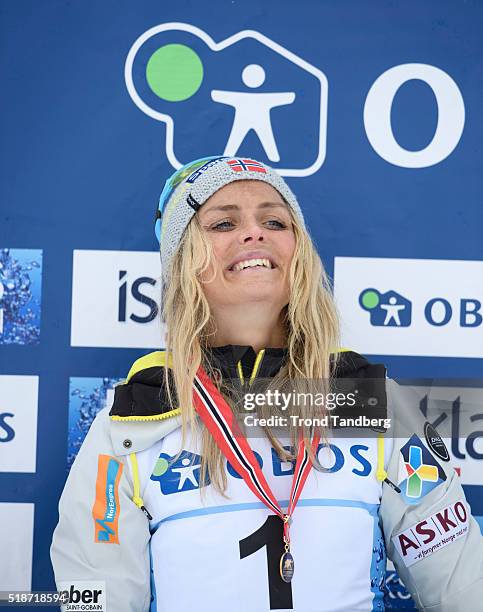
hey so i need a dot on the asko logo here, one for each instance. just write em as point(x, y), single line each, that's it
point(115, 297)
point(422, 314)
point(18, 423)
point(433, 533)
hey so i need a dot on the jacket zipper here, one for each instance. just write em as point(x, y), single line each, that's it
point(154, 417)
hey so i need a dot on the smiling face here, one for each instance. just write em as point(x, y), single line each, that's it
point(250, 229)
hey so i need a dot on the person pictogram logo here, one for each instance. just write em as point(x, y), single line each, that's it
point(390, 309)
point(246, 92)
point(252, 112)
point(180, 475)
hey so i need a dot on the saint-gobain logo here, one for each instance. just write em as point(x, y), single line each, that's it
point(84, 595)
point(391, 309)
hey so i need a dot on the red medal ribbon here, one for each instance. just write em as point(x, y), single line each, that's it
point(218, 417)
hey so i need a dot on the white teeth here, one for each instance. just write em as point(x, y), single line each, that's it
point(251, 263)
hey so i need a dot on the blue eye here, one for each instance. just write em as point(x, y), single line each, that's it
point(278, 224)
point(223, 226)
point(227, 225)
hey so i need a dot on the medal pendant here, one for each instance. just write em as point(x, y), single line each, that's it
point(286, 567)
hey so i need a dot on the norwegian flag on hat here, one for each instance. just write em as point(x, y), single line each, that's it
point(246, 165)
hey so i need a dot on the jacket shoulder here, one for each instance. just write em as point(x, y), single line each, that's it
point(144, 394)
point(155, 360)
point(350, 364)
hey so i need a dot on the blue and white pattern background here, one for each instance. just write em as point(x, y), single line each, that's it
point(371, 109)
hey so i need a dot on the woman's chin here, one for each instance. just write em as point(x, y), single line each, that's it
point(252, 292)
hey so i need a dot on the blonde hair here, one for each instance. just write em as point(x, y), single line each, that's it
point(310, 319)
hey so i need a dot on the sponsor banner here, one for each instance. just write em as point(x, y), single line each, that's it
point(457, 415)
point(20, 295)
point(432, 533)
point(115, 299)
point(468, 467)
point(407, 306)
point(18, 423)
point(16, 564)
point(87, 396)
point(278, 97)
point(84, 596)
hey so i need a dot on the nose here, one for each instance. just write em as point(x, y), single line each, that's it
point(252, 231)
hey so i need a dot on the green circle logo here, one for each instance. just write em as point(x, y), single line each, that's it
point(370, 300)
point(174, 72)
point(161, 467)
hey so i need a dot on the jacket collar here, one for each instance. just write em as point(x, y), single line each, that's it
point(264, 364)
point(226, 358)
point(143, 397)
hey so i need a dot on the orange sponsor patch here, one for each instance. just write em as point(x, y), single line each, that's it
point(106, 507)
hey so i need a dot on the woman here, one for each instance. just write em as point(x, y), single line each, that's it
point(180, 500)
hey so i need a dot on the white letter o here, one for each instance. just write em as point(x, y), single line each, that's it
point(377, 115)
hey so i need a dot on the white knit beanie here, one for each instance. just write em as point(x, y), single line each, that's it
point(191, 186)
